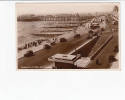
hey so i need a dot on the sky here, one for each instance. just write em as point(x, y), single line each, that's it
point(57, 8)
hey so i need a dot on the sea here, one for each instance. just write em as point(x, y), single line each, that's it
point(25, 30)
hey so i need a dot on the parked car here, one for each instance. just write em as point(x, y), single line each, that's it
point(63, 40)
point(47, 46)
point(77, 36)
point(29, 53)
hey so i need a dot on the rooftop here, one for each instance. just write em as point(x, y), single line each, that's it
point(64, 57)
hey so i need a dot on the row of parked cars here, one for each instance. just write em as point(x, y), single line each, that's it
point(46, 46)
point(49, 44)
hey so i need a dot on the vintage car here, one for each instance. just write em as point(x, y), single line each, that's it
point(29, 53)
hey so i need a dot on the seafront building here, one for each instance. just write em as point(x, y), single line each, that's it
point(115, 13)
point(60, 17)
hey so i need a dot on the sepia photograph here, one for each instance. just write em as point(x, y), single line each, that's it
point(62, 50)
point(68, 35)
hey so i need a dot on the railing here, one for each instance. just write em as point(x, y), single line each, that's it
point(101, 47)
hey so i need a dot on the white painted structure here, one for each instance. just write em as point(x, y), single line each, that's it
point(83, 62)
